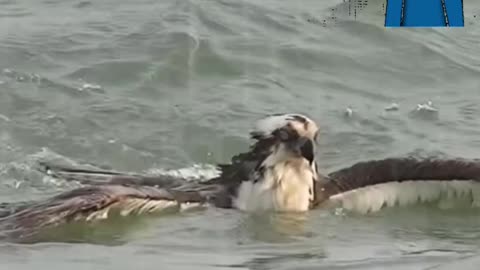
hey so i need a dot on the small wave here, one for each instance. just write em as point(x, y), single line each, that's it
point(21, 174)
point(4, 118)
point(425, 111)
point(20, 76)
point(16, 76)
point(90, 87)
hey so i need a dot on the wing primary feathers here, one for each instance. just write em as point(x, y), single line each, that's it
point(398, 170)
point(95, 202)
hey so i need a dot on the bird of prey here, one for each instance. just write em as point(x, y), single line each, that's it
point(278, 173)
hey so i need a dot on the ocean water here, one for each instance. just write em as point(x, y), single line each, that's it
point(155, 86)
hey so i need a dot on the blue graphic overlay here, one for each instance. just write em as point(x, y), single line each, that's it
point(424, 13)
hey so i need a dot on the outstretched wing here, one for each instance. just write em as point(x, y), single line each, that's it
point(404, 169)
point(98, 202)
point(97, 176)
point(241, 168)
point(389, 180)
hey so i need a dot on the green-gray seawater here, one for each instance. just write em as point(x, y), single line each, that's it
point(154, 86)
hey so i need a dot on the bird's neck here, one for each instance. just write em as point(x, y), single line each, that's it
point(285, 186)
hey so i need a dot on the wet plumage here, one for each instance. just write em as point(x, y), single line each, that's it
point(278, 173)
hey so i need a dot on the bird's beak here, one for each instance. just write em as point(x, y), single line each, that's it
point(304, 147)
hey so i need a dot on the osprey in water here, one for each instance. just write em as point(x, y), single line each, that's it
point(278, 173)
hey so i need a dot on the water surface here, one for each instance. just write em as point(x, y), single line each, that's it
point(151, 86)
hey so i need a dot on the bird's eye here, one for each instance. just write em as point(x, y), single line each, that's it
point(315, 137)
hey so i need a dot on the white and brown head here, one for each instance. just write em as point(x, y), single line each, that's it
point(287, 136)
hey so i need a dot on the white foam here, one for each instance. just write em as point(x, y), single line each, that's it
point(392, 107)
point(196, 172)
point(190, 206)
point(348, 112)
point(89, 86)
point(428, 106)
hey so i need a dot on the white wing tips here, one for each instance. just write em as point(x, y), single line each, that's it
point(376, 197)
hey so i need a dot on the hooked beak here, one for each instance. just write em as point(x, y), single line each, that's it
point(304, 147)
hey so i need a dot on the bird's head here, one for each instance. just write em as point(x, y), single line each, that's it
point(286, 136)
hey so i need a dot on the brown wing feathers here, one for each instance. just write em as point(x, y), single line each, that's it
point(93, 202)
point(137, 192)
point(397, 170)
